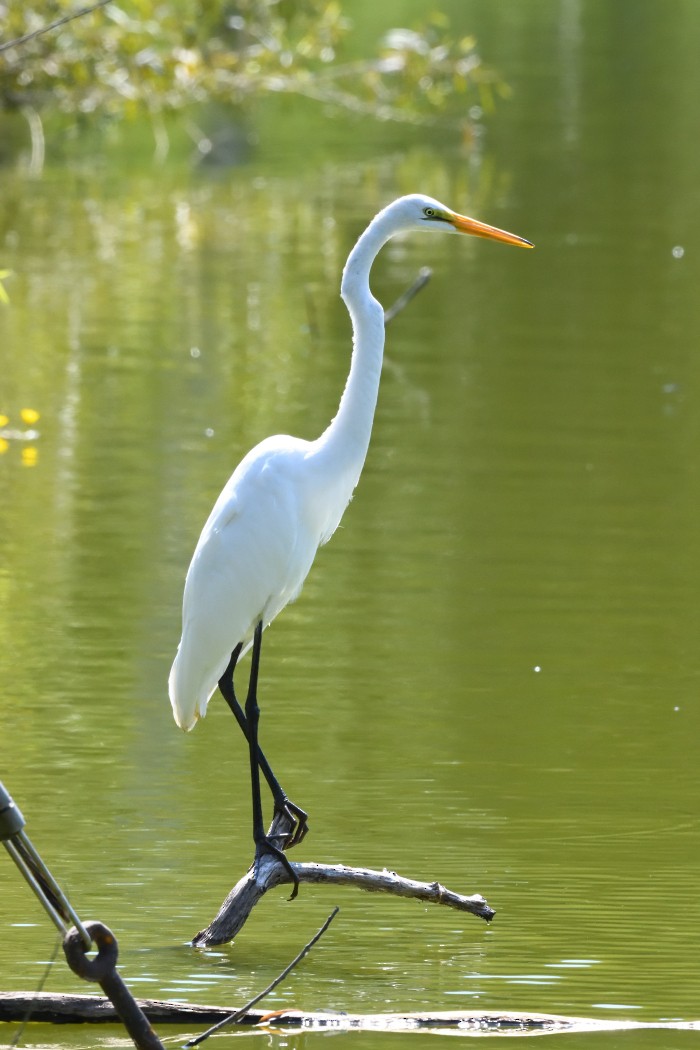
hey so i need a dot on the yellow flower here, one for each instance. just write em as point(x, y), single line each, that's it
point(29, 455)
point(29, 416)
point(4, 420)
point(4, 297)
point(4, 445)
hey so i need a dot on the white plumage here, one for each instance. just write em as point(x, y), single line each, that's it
point(287, 496)
point(251, 560)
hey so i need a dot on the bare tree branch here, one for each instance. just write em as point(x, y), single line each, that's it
point(243, 1012)
point(424, 275)
point(270, 872)
point(53, 25)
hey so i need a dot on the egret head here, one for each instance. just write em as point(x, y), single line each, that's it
point(427, 214)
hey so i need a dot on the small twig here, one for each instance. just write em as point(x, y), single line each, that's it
point(54, 25)
point(421, 280)
point(42, 981)
point(239, 1014)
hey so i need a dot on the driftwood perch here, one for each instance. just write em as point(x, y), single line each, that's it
point(54, 1008)
point(270, 872)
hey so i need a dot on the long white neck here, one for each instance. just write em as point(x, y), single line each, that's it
point(343, 445)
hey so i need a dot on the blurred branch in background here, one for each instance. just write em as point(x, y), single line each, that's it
point(146, 57)
point(32, 34)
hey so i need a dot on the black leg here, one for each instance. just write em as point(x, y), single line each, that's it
point(252, 715)
point(282, 803)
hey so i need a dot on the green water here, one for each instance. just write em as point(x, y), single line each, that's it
point(491, 676)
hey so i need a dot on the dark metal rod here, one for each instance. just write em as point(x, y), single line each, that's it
point(19, 846)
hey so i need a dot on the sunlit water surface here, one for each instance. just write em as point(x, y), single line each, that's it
point(491, 677)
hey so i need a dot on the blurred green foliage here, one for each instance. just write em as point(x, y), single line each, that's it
point(152, 57)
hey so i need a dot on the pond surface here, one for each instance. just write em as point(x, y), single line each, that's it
point(491, 677)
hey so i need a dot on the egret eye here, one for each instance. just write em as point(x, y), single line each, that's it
point(429, 213)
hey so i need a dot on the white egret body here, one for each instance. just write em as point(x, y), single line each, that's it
point(287, 496)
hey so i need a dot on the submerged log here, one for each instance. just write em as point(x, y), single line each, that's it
point(53, 1008)
point(48, 1007)
point(269, 872)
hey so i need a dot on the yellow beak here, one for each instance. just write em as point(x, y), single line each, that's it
point(463, 224)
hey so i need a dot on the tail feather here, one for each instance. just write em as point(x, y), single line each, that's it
point(188, 700)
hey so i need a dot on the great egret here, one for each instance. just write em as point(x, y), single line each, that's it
point(283, 501)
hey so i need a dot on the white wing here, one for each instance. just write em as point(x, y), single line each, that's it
point(251, 560)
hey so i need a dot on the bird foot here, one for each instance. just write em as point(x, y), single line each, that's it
point(264, 846)
point(297, 817)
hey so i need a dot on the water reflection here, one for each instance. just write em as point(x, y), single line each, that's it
point(529, 502)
